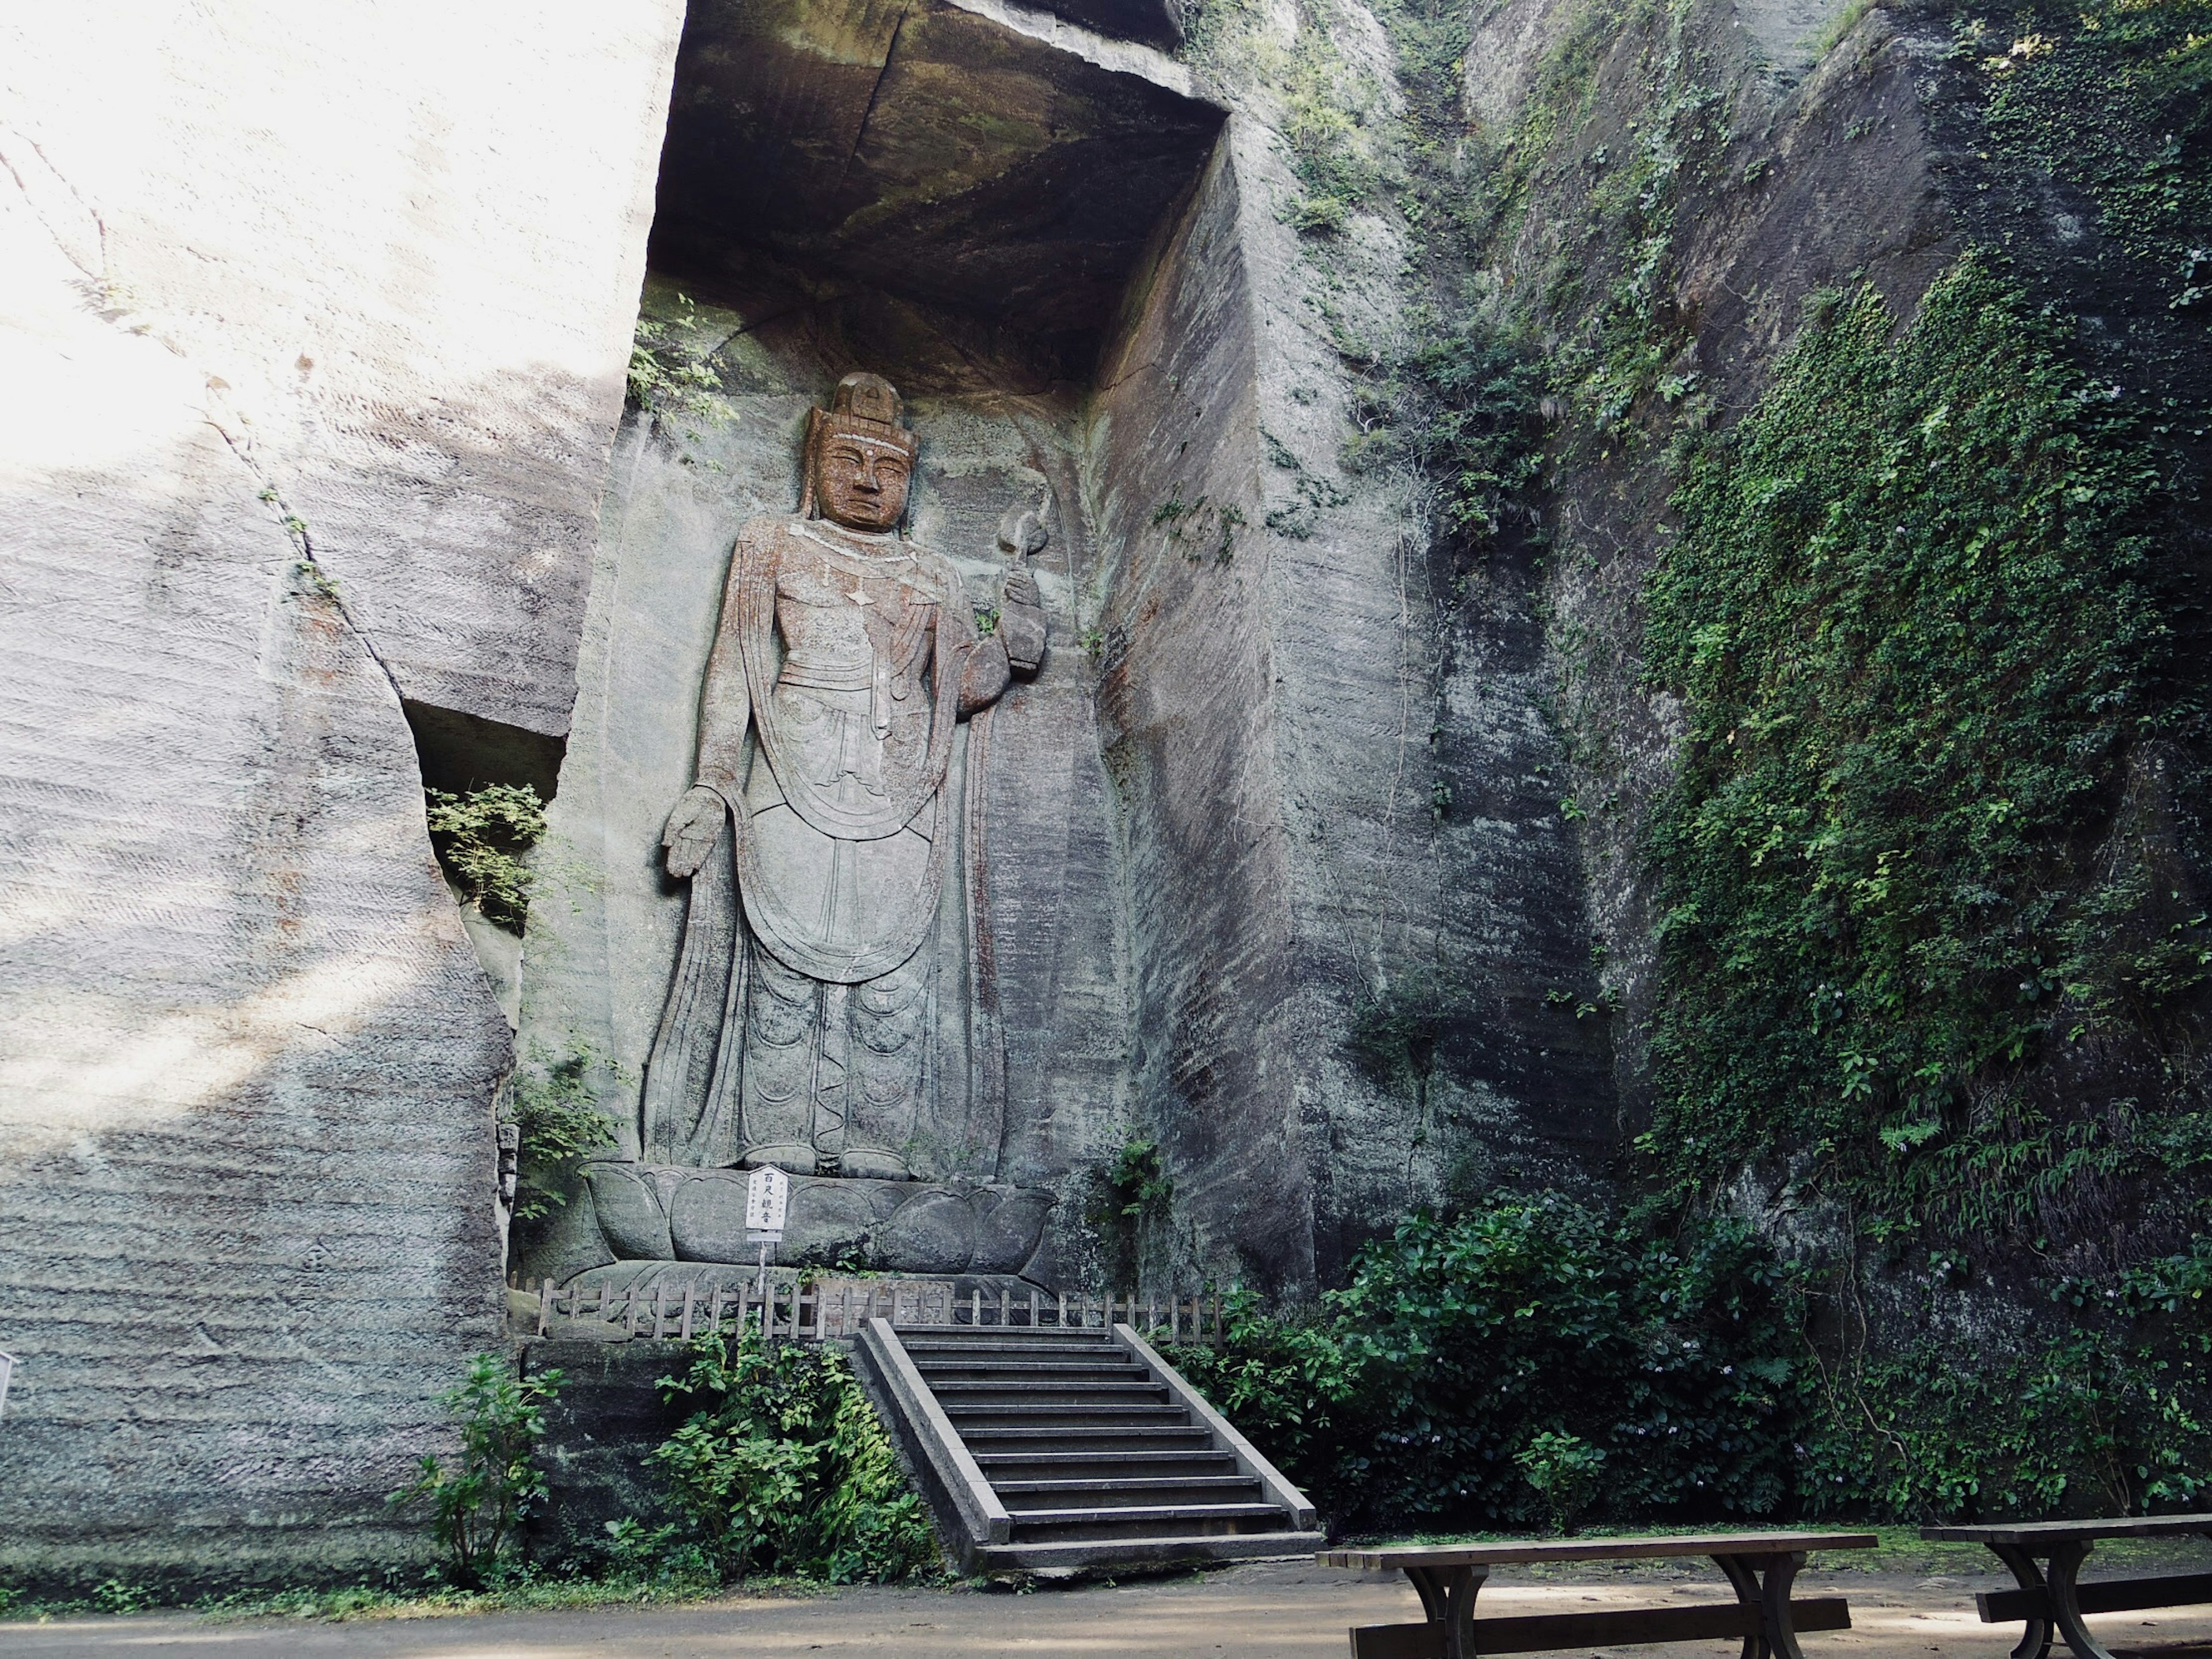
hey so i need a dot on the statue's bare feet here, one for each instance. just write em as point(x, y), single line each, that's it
point(796, 1159)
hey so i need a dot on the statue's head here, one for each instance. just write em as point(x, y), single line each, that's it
point(860, 460)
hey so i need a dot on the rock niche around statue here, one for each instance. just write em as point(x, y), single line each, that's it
point(830, 1013)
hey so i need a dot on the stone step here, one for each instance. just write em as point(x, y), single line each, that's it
point(1146, 1519)
point(1074, 1391)
point(918, 1337)
point(1102, 1552)
point(926, 1349)
point(1045, 1415)
point(987, 1437)
point(953, 1368)
point(1118, 1490)
point(1102, 1465)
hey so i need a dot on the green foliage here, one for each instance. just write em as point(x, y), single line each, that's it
point(1906, 613)
point(2113, 98)
point(1474, 428)
point(1137, 1182)
point(1129, 1203)
point(660, 375)
point(1519, 1361)
point(1564, 1472)
point(1325, 109)
point(1561, 92)
point(118, 1595)
point(562, 1125)
point(2084, 1420)
point(477, 1506)
point(1405, 1399)
point(785, 1467)
point(480, 838)
point(1617, 356)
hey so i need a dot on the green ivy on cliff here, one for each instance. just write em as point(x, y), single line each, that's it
point(1906, 617)
point(2114, 98)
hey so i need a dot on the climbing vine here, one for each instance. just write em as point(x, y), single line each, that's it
point(2114, 98)
point(1906, 614)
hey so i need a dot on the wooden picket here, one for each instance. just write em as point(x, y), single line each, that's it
point(833, 1309)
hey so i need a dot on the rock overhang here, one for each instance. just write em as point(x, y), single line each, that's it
point(969, 155)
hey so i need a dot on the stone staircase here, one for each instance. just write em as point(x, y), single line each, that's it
point(1042, 1448)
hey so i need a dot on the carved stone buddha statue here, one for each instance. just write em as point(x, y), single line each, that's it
point(820, 1018)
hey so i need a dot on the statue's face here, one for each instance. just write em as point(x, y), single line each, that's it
point(859, 484)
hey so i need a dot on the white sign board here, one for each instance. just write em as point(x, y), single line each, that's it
point(767, 1195)
point(7, 1371)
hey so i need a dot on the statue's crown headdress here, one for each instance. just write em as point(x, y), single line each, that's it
point(865, 406)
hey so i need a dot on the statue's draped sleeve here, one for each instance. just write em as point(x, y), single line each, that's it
point(725, 704)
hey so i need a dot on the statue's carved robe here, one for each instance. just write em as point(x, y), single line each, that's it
point(826, 1014)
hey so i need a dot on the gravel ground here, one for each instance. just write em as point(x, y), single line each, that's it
point(1288, 1608)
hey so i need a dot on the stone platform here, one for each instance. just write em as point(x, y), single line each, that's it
point(657, 1214)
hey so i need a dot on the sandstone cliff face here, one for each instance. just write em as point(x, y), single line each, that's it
point(1773, 157)
point(315, 334)
point(1318, 852)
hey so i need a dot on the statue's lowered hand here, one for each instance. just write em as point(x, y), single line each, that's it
point(693, 829)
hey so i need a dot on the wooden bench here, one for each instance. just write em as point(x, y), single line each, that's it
point(1760, 1566)
point(2050, 1599)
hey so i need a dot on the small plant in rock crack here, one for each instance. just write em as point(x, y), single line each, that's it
point(480, 838)
point(477, 1504)
point(562, 1125)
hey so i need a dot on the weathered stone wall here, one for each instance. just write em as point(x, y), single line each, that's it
point(371, 271)
point(1823, 211)
point(1337, 815)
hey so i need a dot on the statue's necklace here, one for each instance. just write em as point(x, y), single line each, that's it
point(863, 554)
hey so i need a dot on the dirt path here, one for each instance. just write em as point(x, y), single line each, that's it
point(1244, 1612)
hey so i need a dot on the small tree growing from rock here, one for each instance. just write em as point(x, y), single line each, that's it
point(476, 1505)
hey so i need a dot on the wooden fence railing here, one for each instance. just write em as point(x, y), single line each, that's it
point(827, 1308)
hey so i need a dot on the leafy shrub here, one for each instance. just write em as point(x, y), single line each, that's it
point(662, 375)
point(561, 1125)
point(1563, 1469)
point(119, 1596)
point(1405, 1399)
point(480, 838)
point(1128, 1203)
point(784, 1466)
point(2081, 1422)
point(1487, 1370)
point(477, 1507)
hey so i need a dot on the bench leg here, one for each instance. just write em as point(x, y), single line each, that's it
point(1448, 1597)
point(2035, 1640)
point(1764, 1582)
point(2059, 1576)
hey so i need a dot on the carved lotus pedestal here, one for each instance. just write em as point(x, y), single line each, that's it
point(678, 1226)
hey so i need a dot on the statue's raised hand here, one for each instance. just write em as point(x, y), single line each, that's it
point(692, 830)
